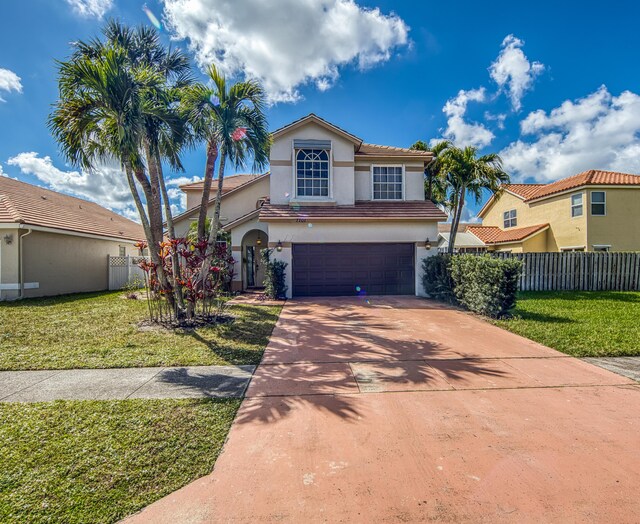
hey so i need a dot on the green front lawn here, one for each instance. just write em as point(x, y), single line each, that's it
point(100, 330)
point(99, 461)
point(582, 324)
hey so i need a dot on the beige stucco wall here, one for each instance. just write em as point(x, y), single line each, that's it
point(233, 205)
point(342, 182)
point(335, 231)
point(565, 231)
point(194, 197)
point(63, 263)
point(620, 227)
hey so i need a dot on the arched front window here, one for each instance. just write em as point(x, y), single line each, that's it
point(312, 172)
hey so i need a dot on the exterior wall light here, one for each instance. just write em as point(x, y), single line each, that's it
point(279, 246)
point(8, 239)
point(427, 244)
point(259, 241)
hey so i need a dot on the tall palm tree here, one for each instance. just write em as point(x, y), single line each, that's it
point(101, 115)
point(434, 181)
point(231, 121)
point(468, 174)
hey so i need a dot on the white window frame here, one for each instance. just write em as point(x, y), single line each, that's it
point(580, 205)
point(510, 218)
point(603, 203)
point(601, 248)
point(122, 248)
point(404, 184)
point(573, 249)
point(294, 177)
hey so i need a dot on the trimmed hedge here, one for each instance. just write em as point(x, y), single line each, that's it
point(481, 284)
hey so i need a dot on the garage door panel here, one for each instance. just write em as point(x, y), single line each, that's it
point(338, 269)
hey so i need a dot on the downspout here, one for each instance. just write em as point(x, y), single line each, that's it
point(20, 262)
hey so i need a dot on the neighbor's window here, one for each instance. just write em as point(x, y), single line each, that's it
point(387, 183)
point(122, 251)
point(312, 172)
point(598, 203)
point(576, 205)
point(602, 248)
point(510, 218)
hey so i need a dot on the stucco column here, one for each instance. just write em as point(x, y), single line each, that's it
point(421, 254)
point(285, 256)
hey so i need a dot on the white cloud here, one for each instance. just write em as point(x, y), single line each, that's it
point(599, 131)
point(288, 43)
point(106, 185)
point(513, 71)
point(9, 81)
point(91, 8)
point(460, 131)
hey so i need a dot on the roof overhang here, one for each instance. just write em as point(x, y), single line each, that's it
point(58, 231)
point(495, 197)
point(520, 240)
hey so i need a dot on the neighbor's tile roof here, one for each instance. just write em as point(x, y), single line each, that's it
point(523, 190)
point(587, 178)
point(228, 183)
point(373, 150)
point(34, 206)
point(417, 210)
point(495, 235)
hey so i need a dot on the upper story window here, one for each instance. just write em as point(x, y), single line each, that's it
point(312, 172)
point(122, 251)
point(576, 205)
point(510, 218)
point(598, 203)
point(387, 183)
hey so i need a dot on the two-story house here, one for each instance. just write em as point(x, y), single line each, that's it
point(591, 211)
point(348, 217)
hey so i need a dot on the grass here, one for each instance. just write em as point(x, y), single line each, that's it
point(99, 330)
point(99, 461)
point(582, 324)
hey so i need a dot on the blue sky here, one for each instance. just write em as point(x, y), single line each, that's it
point(552, 87)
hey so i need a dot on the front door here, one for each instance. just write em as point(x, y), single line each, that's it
point(254, 267)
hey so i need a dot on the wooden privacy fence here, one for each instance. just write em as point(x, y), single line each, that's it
point(124, 271)
point(578, 271)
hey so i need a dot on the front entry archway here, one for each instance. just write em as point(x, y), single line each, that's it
point(253, 274)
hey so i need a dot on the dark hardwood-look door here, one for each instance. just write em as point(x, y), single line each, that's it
point(352, 269)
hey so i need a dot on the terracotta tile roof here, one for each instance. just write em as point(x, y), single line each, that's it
point(587, 178)
point(418, 210)
point(495, 235)
point(523, 190)
point(373, 150)
point(34, 206)
point(445, 227)
point(230, 182)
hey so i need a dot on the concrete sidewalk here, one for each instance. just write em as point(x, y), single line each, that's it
point(118, 384)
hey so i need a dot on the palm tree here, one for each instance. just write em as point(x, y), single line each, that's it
point(101, 115)
point(467, 174)
point(231, 120)
point(163, 133)
point(434, 183)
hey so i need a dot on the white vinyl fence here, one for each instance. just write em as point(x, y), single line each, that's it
point(578, 271)
point(124, 271)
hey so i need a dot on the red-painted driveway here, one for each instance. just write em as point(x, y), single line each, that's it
point(400, 410)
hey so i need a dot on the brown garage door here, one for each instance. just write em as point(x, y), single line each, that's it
point(352, 269)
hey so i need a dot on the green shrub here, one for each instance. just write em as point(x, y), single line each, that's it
point(436, 278)
point(481, 284)
point(484, 284)
point(274, 280)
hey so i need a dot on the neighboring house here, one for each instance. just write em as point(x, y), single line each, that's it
point(349, 218)
point(591, 211)
point(52, 244)
point(465, 242)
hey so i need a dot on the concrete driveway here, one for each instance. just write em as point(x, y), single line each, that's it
point(401, 410)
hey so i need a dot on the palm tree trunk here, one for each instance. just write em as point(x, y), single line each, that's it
point(138, 202)
point(456, 221)
point(215, 223)
point(212, 157)
point(171, 233)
